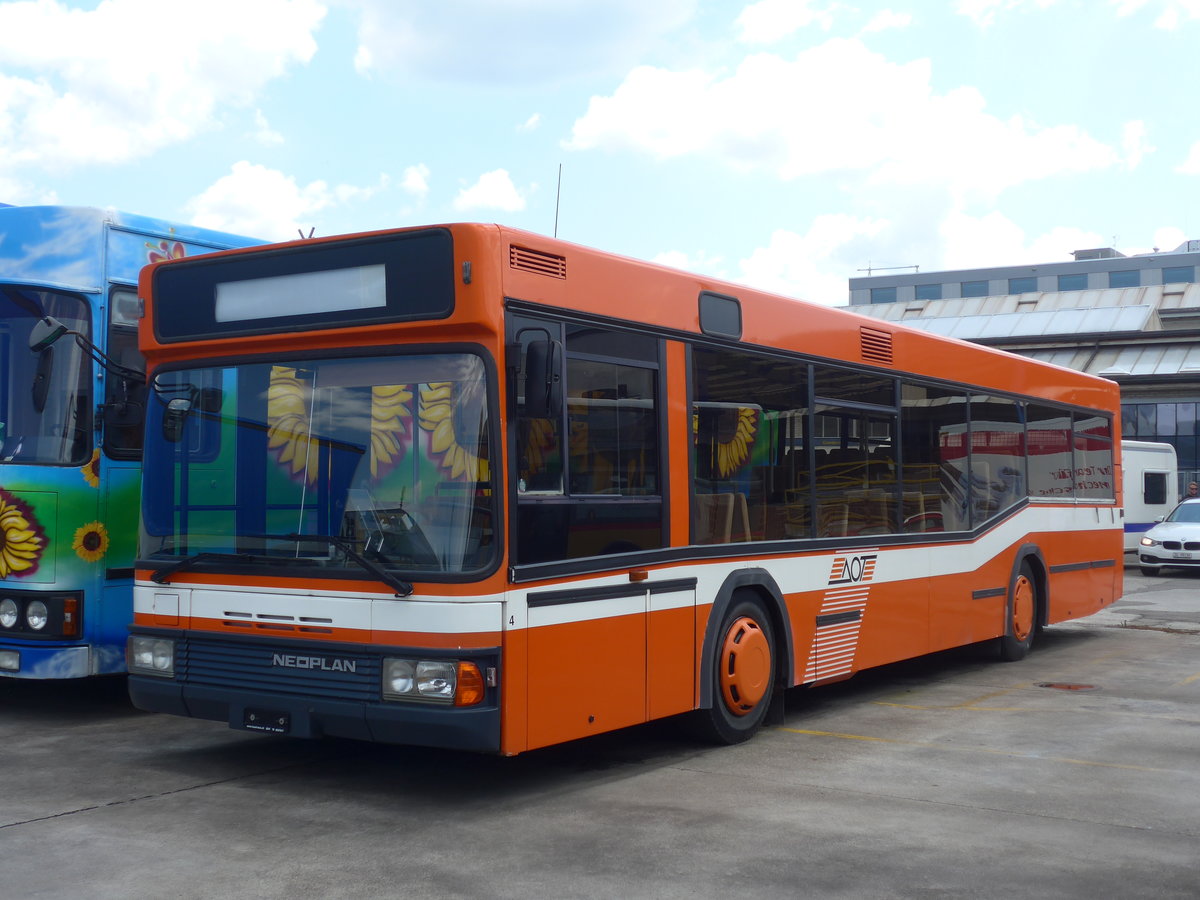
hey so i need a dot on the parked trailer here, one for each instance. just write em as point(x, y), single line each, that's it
point(1151, 487)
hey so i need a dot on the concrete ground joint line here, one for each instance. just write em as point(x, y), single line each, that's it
point(128, 800)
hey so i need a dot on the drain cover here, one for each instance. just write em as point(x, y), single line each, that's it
point(1067, 686)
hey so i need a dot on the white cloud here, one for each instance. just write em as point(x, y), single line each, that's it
point(493, 190)
point(816, 265)
point(265, 203)
point(531, 123)
point(698, 264)
point(517, 41)
point(416, 181)
point(870, 116)
point(1191, 165)
point(263, 132)
point(993, 239)
point(769, 21)
point(984, 12)
point(124, 79)
point(1134, 143)
point(887, 19)
point(1171, 12)
point(19, 192)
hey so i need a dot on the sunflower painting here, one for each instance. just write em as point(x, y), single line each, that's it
point(90, 542)
point(391, 408)
point(91, 469)
point(287, 424)
point(735, 438)
point(437, 418)
point(22, 538)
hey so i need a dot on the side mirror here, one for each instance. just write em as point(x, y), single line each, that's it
point(45, 332)
point(543, 379)
point(174, 417)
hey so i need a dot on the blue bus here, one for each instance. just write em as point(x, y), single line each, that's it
point(71, 430)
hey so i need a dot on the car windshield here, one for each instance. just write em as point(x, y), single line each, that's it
point(1185, 512)
point(45, 396)
point(322, 462)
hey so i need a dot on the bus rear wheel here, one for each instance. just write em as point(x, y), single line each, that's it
point(743, 675)
point(1022, 616)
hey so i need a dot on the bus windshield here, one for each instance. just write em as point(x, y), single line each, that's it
point(345, 463)
point(46, 398)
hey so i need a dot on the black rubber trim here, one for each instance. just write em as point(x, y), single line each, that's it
point(988, 592)
point(840, 618)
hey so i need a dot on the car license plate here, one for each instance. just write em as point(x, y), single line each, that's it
point(268, 720)
point(1181, 554)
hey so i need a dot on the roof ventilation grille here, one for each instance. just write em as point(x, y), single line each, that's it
point(876, 345)
point(537, 261)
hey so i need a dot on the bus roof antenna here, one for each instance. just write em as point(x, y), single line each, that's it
point(557, 197)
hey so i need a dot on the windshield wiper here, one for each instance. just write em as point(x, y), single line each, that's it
point(163, 575)
point(403, 588)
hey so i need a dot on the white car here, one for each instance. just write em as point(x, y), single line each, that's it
point(1174, 541)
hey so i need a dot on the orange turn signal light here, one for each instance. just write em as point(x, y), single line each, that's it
point(470, 684)
point(70, 621)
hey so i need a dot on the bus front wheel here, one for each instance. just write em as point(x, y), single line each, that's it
point(1022, 616)
point(743, 675)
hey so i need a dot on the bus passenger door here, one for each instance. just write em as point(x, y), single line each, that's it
point(587, 662)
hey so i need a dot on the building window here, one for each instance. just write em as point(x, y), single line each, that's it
point(1076, 282)
point(974, 289)
point(1124, 278)
point(1178, 274)
point(883, 295)
point(1024, 285)
point(929, 292)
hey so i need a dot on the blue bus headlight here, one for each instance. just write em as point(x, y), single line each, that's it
point(36, 615)
point(8, 612)
point(150, 656)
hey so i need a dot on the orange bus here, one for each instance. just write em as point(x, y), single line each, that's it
point(465, 486)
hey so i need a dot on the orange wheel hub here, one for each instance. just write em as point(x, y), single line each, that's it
point(1022, 608)
point(745, 666)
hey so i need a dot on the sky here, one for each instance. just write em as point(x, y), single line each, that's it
point(785, 144)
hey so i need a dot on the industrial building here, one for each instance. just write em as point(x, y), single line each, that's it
point(1133, 319)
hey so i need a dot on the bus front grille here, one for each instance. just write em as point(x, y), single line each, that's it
point(274, 668)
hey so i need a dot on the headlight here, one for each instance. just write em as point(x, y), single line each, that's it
point(41, 615)
point(1150, 542)
point(436, 680)
point(397, 677)
point(36, 615)
point(150, 656)
point(449, 681)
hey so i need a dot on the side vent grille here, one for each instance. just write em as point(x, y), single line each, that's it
point(537, 261)
point(876, 345)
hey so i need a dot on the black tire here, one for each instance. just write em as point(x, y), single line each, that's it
point(1149, 570)
point(742, 675)
point(1021, 616)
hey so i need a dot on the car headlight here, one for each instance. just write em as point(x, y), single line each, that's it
point(36, 615)
point(8, 612)
point(449, 681)
point(150, 656)
point(1150, 542)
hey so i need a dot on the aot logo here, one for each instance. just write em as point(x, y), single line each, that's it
point(852, 569)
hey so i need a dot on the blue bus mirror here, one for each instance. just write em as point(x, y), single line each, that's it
point(45, 332)
point(174, 417)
